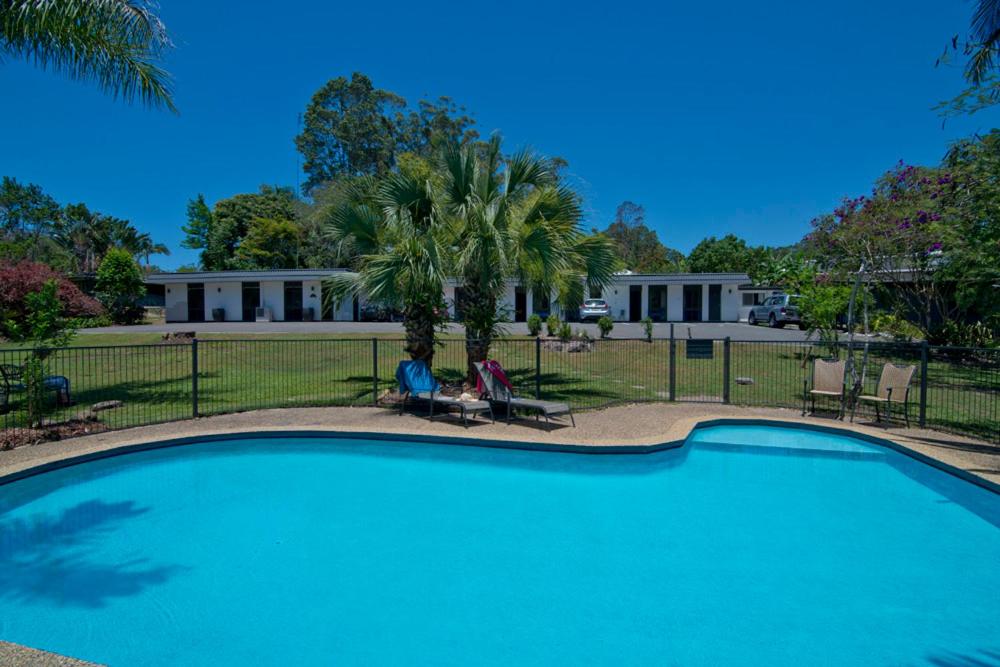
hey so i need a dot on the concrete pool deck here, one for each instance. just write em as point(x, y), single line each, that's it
point(647, 424)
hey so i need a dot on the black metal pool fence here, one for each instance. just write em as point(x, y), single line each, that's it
point(111, 387)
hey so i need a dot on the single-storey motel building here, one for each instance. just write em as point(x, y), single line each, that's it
point(297, 295)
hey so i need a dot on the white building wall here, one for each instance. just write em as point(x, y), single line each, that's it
point(617, 297)
point(343, 311)
point(731, 300)
point(312, 292)
point(228, 296)
point(675, 303)
point(506, 302)
point(272, 295)
point(175, 302)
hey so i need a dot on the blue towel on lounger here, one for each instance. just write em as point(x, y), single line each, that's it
point(415, 377)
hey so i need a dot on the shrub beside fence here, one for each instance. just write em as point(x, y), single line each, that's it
point(954, 389)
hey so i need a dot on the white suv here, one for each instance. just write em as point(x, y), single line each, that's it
point(777, 311)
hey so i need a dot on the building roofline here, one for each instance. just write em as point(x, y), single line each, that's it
point(226, 276)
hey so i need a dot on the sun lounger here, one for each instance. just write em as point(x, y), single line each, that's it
point(827, 382)
point(417, 382)
point(494, 386)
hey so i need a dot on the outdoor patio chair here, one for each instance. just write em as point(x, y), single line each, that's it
point(494, 385)
point(416, 381)
point(12, 381)
point(827, 382)
point(893, 387)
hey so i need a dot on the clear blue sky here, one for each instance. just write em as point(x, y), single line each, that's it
point(748, 118)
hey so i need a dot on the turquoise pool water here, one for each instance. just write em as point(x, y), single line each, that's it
point(749, 546)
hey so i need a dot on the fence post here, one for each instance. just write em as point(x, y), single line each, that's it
point(194, 378)
point(375, 372)
point(725, 370)
point(538, 367)
point(923, 384)
point(673, 364)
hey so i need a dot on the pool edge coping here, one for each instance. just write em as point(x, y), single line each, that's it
point(676, 436)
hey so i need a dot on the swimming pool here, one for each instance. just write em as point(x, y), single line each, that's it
point(749, 545)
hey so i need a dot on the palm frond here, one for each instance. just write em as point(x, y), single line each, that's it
point(114, 43)
point(985, 29)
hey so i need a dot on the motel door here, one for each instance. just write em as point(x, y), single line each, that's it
point(634, 303)
point(251, 301)
point(293, 301)
point(715, 303)
point(196, 302)
point(692, 303)
point(520, 304)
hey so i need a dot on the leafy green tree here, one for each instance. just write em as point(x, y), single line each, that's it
point(113, 43)
point(199, 224)
point(270, 244)
point(352, 128)
point(230, 223)
point(973, 265)
point(714, 255)
point(404, 254)
point(433, 126)
point(638, 246)
point(28, 217)
point(515, 220)
point(120, 286)
point(349, 129)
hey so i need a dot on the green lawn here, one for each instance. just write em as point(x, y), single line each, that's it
point(154, 379)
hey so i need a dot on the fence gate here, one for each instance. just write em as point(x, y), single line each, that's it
point(699, 369)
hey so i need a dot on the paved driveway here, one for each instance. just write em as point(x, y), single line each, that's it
point(621, 330)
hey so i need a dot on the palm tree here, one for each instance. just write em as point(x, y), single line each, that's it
point(144, 246)
point(114, 43)
point(513, 219)
point(403, 247)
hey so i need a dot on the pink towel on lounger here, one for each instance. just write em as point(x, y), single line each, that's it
point(496, 370)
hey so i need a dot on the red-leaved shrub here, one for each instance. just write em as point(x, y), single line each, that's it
point(19, 280)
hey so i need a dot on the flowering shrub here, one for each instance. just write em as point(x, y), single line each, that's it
point(19, 280)
point(902, 234)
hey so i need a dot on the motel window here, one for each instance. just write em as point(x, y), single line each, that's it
point(752, 298)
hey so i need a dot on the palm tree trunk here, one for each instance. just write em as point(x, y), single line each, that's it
point(420, 334)
point(479, 318)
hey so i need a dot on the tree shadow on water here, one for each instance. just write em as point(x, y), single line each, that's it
point(52, 558)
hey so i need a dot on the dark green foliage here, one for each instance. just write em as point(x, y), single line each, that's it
point(270, 244)
point(605, 324)
point(71, 239)
point(552, 324)
point(354, 129)
point(120, 286)
point(199, 224)
point(534, 324)
point(231, 220)
point(565, 331)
